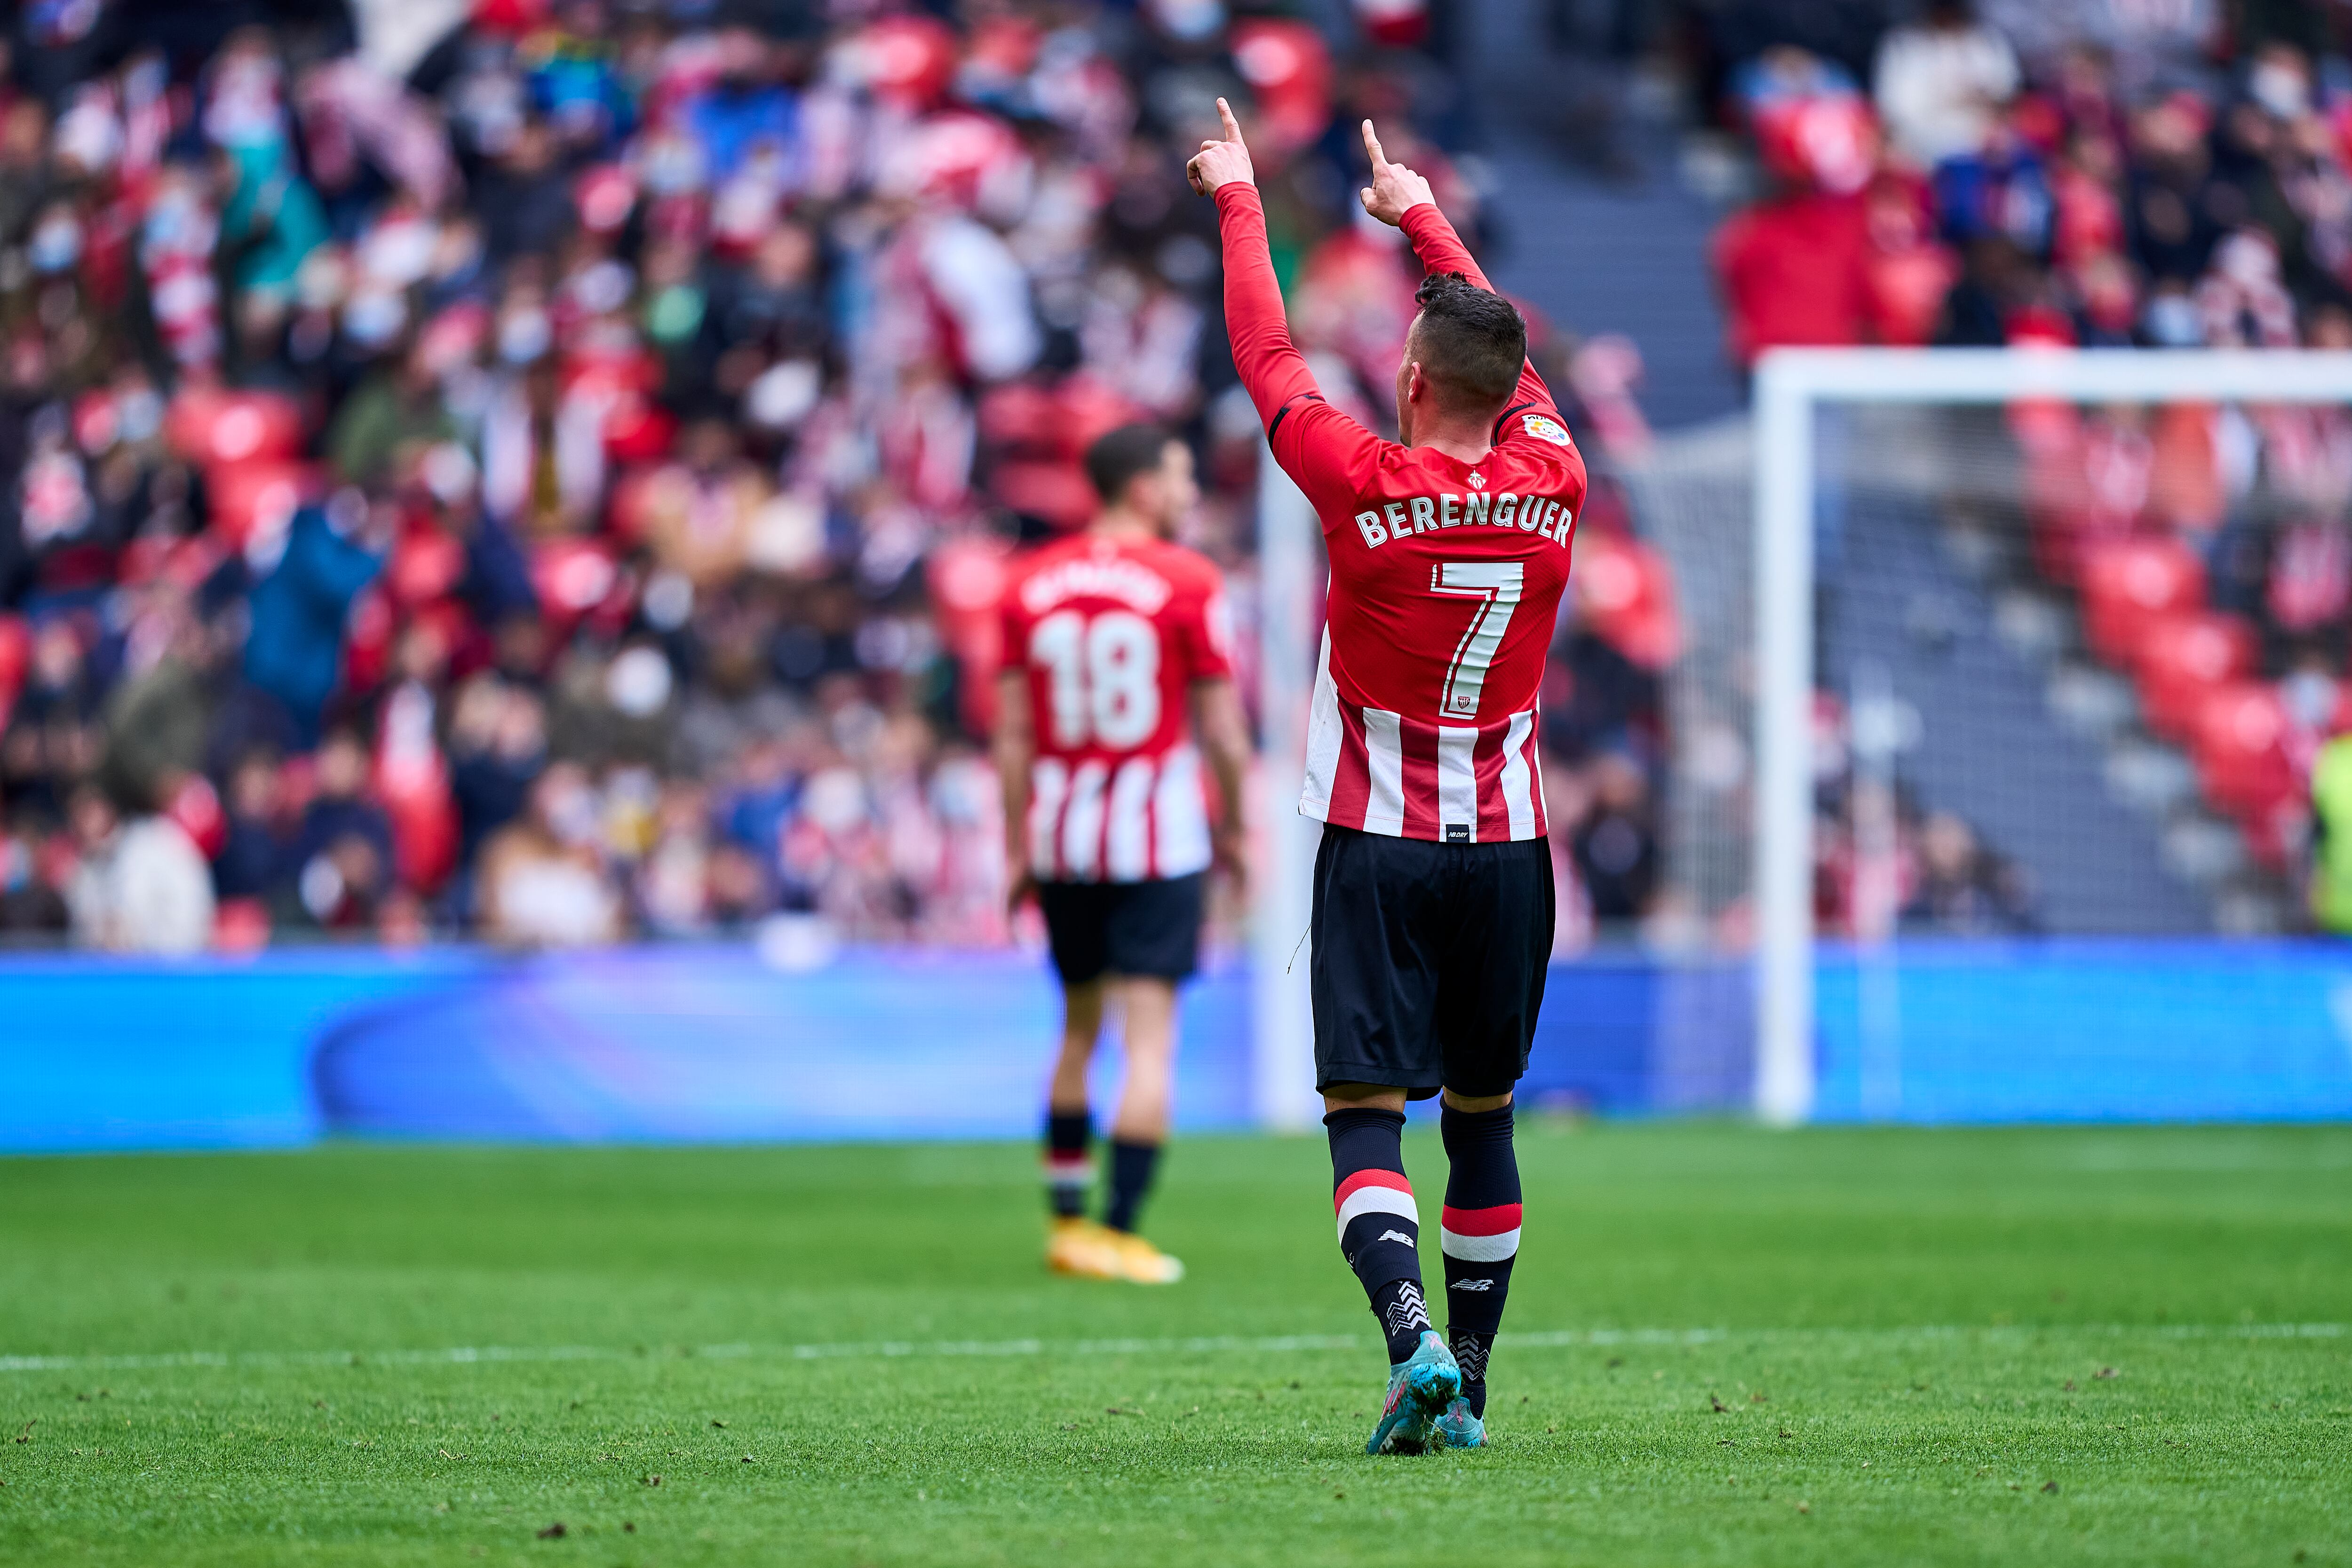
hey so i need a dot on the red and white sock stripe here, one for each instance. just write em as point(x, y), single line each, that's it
point(1069, 1170)
point(1480, 1235)
point(1374, 1192)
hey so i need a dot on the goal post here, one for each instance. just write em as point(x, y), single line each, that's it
point(1791, 386)
point(1289, 609)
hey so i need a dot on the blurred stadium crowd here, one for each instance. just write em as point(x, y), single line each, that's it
point(542, 468)
point(2102, 176)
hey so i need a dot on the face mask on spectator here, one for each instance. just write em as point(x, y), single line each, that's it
point(56, 245)
point(2172, 322)
point(374, 318)
point(603, 287)
point(572, 816)
point(2279, 88)
point(138, 415)
point(783, 394)
point(2309, 697)
point(524, 336)
point(171, 222)
point(673, 165)
point(638, 683)
point(1190, 20)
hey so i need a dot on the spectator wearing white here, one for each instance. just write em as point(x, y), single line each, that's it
point(543, 882)
point(1941, 82)
point(141, 886)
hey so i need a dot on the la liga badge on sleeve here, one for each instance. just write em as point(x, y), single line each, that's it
point(1545, 428)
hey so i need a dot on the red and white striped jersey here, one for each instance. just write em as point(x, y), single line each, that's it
point(1111, 635)
point(1445, 577)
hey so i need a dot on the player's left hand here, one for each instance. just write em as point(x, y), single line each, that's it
point(1395, 190)
point(1222, 163)
point(1229, 848)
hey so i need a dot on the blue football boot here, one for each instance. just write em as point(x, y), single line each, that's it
point(1457, 1429)
point(1420, 1387)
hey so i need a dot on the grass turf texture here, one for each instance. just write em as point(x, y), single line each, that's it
point(1904, 1343)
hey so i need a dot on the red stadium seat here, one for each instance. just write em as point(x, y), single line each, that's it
point(212, 425)
point(2240, 746)
point(16, 653)
point(2180, 657)
point(196, 808)
point(1624, 591)
point(2128, 581)
point(578, 581)
point(256, 499)
point(241, 925)
point(427, 565)
point(1057, 493)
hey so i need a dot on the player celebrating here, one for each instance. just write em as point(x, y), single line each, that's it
point(1433, 916)
point(1110, 637)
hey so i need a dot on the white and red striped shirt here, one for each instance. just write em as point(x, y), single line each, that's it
point(1445, 577)
point(1111, 635)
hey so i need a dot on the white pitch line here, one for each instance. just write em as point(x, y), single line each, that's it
point(1277, 1344)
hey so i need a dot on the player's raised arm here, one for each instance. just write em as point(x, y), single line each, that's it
point(1401, 197)
point(1269, 363)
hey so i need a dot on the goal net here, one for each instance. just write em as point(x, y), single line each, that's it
point(1998, 661)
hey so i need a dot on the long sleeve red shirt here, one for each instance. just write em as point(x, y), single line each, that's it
point(1446, 576)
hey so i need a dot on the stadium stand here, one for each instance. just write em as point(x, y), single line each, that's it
point(2003, 175)
point(544, 474)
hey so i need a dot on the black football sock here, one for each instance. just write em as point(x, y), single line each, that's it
point(1068, 1171)
point(1479, 1232)
point(1132, 1165)
point(1379, 1228)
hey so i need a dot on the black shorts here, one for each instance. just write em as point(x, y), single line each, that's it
point(1143, 928)
point(1429, 961)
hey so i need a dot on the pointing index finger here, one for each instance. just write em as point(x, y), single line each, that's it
point(1233, 126)
point(1372, 146)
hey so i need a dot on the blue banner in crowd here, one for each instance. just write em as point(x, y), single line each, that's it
point(708, 1043)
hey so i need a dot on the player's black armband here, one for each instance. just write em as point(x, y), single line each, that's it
point(1284, 413)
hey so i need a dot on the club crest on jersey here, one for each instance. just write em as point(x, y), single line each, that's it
point(1477, 481)
point(1543, 427)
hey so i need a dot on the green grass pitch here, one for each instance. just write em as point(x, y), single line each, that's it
point(1725, 1346)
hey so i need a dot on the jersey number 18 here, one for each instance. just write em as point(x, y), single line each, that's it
point(1106, 676)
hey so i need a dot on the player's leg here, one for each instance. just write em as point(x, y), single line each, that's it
point(1479, 1235)
point(1148, 1041)
point(1074, 926)
point(1151, 934)
point(1373, 989)
point(1069, 1123)
point(1490, 993)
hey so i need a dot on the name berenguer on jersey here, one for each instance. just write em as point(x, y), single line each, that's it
point(1539, 515)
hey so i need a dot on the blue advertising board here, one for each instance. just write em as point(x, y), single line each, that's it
point(708, 1043)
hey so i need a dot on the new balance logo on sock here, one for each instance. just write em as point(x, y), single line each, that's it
point(1469, 1284)
point(1399, 1236)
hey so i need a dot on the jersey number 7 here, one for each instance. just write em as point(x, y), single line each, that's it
point(1495, 584)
